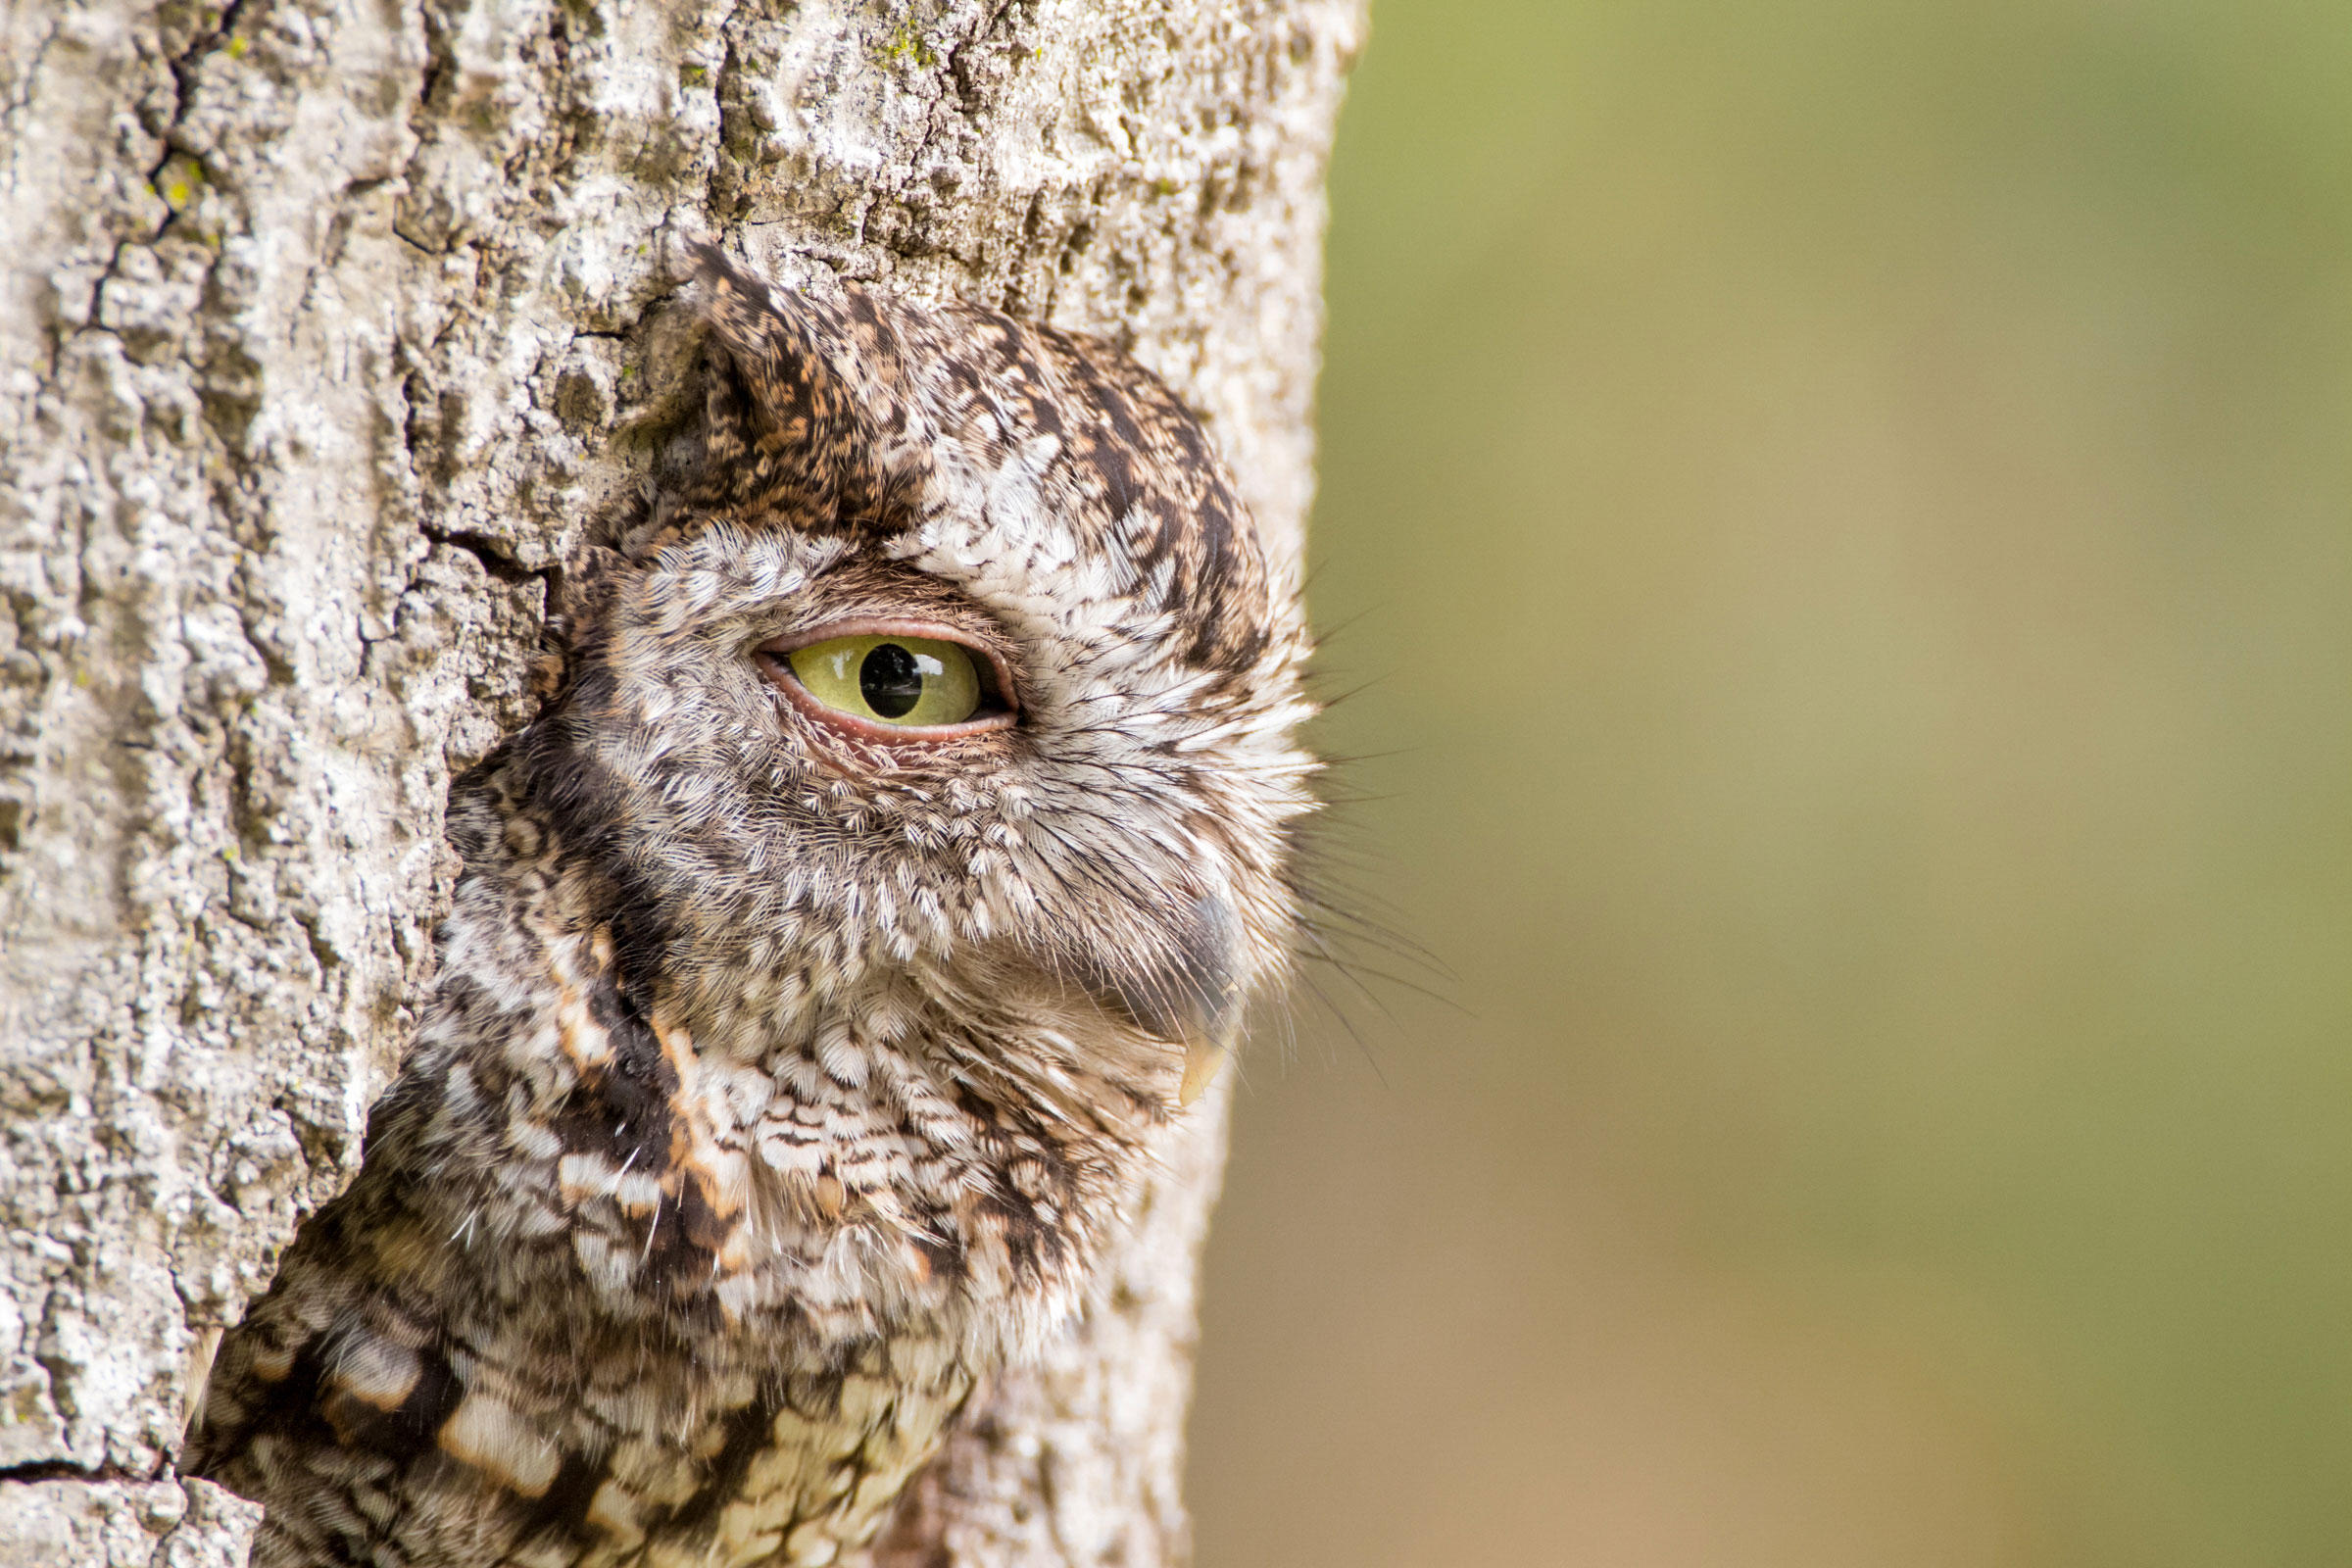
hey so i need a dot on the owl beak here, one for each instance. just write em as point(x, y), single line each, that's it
point(1210, 987)
point(1203, 1058)
point(1191, 992)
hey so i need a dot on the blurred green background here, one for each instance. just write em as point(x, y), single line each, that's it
point(1841, 518)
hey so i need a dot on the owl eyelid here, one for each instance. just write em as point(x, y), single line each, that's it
point(775, 658)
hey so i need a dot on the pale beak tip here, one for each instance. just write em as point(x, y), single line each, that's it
point(1201, 1060)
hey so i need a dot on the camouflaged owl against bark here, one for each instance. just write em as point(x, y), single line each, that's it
point(780, 1085)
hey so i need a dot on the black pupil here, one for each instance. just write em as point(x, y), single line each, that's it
point(889, 680)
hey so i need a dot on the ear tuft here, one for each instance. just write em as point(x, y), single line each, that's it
point(797, 393)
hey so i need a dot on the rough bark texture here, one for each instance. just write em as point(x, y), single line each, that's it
point(319, 316)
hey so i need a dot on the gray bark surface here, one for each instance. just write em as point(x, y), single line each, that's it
point(319, 316)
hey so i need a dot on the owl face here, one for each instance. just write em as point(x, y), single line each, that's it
point(941, 701)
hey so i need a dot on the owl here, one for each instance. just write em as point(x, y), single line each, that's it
point(905, 830)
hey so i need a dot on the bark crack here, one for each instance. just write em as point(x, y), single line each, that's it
point(41, 1470)
point(494, 556)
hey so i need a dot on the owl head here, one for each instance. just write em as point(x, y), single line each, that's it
point(937, 699)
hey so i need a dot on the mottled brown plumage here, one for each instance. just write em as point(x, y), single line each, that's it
point(784, 1076)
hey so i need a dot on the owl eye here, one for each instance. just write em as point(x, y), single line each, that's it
point(883, 681)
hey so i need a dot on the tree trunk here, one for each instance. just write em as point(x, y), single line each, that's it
point(319, 316)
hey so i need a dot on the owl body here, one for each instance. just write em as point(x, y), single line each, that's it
point(787, 1067)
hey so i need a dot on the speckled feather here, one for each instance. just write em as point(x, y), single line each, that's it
point(779, 1088)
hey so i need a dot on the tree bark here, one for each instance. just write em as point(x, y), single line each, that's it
point(319, 317)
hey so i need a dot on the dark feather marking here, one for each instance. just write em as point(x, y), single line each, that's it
point(944, 1250)
point(562, 1508)
point(623, 1111)
point(751, 1430)
point(408, 1428)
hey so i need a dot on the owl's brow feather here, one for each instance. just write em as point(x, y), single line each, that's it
point(821, 417)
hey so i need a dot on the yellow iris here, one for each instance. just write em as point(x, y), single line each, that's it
point(890, 681)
